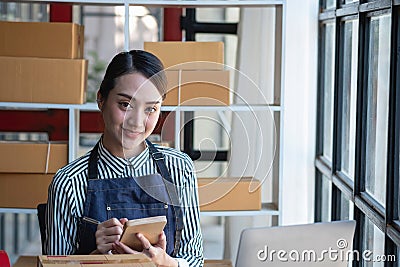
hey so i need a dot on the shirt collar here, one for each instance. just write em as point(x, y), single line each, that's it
point(118, 164)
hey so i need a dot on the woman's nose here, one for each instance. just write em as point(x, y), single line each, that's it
point(135, 118)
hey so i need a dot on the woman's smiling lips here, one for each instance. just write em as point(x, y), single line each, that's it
point(131, 133)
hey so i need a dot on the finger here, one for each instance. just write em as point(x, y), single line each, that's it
point(162, 241)
point(115, 230)
point(117, 249)
point(107, 236)
point(106, 239)
point(123, 220)
point(110, 223)
point(145, 242)
point(124, 249)
point(104, 248)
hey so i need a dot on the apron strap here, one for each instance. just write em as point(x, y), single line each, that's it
point(93, 158)
point(171, 190)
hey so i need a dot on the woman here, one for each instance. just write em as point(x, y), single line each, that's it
point(109, 184)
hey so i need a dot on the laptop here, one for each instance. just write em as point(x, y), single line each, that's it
point(319, 244)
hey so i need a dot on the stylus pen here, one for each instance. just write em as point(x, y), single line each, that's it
point(90, 220)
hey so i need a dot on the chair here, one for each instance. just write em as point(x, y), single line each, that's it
point(4, 259)
point(41, 213)
point(297, 245)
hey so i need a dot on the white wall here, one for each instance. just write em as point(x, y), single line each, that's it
point(301, 31)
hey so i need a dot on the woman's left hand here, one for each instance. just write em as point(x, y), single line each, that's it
point(156, 253)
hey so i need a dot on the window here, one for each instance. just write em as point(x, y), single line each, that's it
point(23, 12)
point(326, 199)
point(348, 85)
point(398, 253)
point(329, 67)
point(329, 4)
point(350, 1)
point(374, 241)
point(358, 123)
point(377, 105)
point(346, 209)
point(104, 36)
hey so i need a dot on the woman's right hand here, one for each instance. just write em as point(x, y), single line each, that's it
point(107, 233)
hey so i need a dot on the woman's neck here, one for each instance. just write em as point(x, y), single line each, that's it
point(122, 152)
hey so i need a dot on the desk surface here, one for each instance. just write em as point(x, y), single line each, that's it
point(30, 261)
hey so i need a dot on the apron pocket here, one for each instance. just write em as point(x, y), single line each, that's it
point(135, 211)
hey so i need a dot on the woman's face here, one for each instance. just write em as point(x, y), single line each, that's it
point(130, 114)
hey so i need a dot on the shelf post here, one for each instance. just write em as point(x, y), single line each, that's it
point(126, 26)
point(280, 20)
point(73, 133)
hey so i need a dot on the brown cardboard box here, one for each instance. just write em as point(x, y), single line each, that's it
point(21, 190)
point(233, 193)
point(204, 88)
point(42, 80)
point(122, 260)
point(172, 96)
point(41, 39)
point(217, 263)
point(28, 157)
point(197, 88)
point(173, 54)
point(31, 261)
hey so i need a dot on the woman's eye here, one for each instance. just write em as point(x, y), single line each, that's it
point(151, 109)
point(125, 105)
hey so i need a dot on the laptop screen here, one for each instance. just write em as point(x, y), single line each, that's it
point(318, 244)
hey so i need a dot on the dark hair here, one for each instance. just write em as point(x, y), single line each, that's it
point(134, 61)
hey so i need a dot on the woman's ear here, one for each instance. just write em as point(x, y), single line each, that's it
point(100, 101)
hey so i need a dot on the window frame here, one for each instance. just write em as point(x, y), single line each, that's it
point(366, 207)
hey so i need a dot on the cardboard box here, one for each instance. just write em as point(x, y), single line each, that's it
point(28, 157)
point(122, 260)
point(31, 261)
point(41, 39)
point(21, 190)
point(42, 80)
point(204, 88)
point(217, 263)
point(172, 96)
point(234, 193)
point(185, 55)
point(197, 88)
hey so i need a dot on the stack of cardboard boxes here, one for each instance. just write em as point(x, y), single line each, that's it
point(39, 63)
point(42, 62)
point(195, 72)
point(26, 170)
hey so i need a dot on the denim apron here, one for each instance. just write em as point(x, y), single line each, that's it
point(132, 198)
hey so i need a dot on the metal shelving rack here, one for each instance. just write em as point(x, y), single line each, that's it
point(274, 208)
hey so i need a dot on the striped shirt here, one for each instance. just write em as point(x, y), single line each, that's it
point(67, 195)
